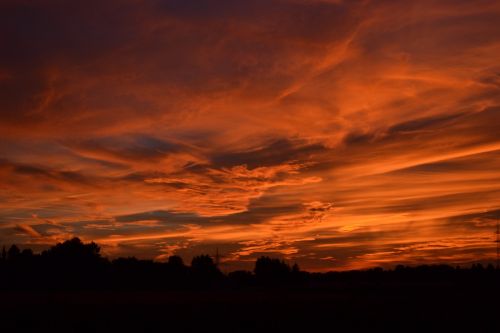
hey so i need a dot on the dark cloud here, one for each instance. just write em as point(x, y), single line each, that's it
point(28, 230)
point(273, 153)
point(134, 147)
point(52, 49)
point(359, 138)
point(42, 172)
point(43, 39)
point(428, 123)
point(303, 20)
point(163, 216)
point(259, 211)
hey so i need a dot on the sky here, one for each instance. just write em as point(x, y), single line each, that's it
point(334, 134)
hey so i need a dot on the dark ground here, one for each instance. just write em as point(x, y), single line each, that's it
point(362, 308)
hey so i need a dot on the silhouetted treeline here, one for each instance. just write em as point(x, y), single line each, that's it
point(76, 265)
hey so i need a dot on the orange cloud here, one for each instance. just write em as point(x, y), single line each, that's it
point(363, 131)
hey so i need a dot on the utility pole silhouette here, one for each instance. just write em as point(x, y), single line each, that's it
point(217, 257)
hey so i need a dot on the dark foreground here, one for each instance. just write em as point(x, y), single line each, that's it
point(362, 308)
point(71, 288)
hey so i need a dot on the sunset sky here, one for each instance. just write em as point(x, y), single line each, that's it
point(335, 134)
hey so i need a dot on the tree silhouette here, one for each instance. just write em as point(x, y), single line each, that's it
point(204, 265)
point(13, 253)
point(204, 270)
point(175, 262)
point(75, 264)
point(271, 270)
point(73, 252)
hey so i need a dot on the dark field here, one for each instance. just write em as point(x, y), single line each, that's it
point(339, 309)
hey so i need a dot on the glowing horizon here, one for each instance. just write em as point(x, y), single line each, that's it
point(335, 134)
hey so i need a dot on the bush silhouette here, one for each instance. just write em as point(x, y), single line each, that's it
point(13, 253)
point(271, 270)
point(72, 251)
point(204, 268)
point(175, 262)
point(75, 264)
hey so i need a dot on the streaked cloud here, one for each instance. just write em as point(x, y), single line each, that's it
point(338, 134)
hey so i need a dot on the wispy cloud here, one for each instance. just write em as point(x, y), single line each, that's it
point(334, 133)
